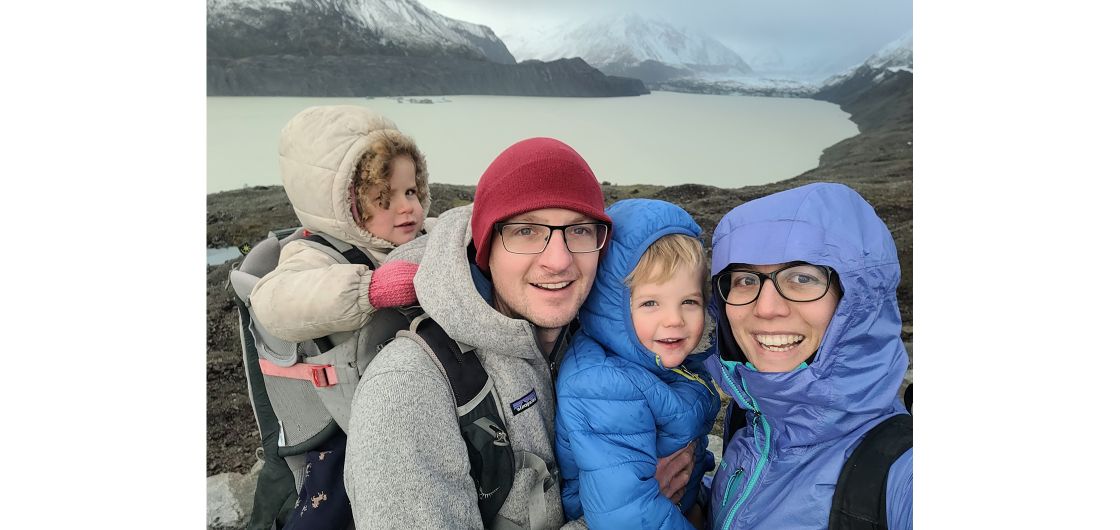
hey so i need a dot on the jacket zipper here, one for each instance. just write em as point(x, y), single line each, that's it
point(689, 375)
point(757, 472)
point(563, 340)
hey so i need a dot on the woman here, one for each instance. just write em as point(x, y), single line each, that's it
point(809, 346)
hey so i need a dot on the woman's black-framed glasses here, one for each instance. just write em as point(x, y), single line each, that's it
point(796, 282)
point(532, 238)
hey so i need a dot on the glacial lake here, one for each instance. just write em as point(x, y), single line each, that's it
point(663, 138)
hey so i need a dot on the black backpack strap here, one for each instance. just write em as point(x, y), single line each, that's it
point(350, 252)
point(480, 420)
point(860, 499)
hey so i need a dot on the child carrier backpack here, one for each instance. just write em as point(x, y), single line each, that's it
point(301, 392)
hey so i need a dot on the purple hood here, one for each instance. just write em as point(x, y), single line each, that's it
point(780, 470)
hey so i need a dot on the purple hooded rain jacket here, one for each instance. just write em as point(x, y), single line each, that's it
point(780, 469)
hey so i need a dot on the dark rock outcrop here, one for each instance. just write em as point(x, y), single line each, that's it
point(380, 75)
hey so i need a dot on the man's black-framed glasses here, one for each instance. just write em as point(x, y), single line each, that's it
point(796, 282)
point(532, 238)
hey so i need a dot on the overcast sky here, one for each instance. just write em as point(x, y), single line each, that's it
point(801, 30)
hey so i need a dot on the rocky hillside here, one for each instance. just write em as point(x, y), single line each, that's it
point(875, 95)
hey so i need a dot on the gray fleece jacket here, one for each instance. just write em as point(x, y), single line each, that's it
point(406, 462)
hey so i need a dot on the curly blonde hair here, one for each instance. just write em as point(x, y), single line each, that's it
point(372, 172)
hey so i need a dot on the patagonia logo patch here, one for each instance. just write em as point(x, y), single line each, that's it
point(525, 402)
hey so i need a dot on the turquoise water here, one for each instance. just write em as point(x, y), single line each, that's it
point(663, 138)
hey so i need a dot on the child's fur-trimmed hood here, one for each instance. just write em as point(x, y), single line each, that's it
point(319, 150)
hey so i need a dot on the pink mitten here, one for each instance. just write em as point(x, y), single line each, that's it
point(391, 284)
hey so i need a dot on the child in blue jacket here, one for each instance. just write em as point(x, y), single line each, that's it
point(633, 388)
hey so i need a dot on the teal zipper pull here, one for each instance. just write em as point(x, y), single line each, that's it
point(731, 482)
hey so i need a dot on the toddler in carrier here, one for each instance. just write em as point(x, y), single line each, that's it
point(355, 181)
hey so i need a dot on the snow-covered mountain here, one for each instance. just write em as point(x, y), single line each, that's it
point(897, 55)
point(354, 48)
point(241, 28)
point(630, 45)
point(894, 56)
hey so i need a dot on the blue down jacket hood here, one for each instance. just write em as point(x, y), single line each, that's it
point(606, 312)
point(618, 408)
point(779, 471)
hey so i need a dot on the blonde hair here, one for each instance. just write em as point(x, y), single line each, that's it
point(372, 172)
point(665, 257)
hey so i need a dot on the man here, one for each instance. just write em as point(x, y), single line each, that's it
point(498, 282)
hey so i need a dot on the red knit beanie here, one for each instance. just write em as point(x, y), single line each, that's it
point(530, 175)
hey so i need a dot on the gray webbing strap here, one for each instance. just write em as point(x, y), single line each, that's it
point(501, 523)
point(525, 459)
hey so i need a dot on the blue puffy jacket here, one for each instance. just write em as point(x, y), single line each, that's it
point(780, 470)
point(618, 410)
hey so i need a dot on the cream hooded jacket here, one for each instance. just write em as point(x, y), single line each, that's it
point(309, 294)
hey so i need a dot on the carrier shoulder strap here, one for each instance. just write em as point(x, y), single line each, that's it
point(860, 499)
point(480, 420)
point(350, 252)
